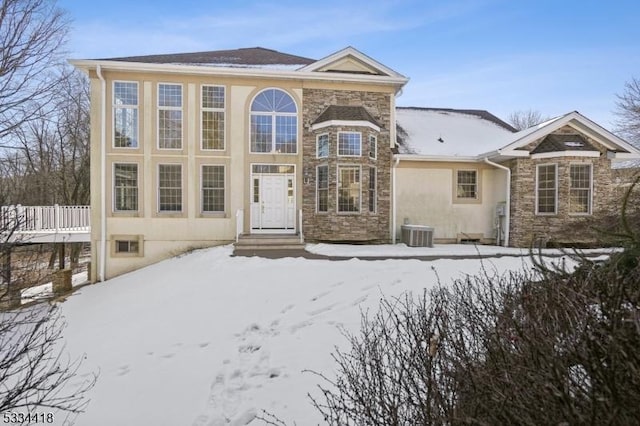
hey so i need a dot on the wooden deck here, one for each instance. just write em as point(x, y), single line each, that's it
point(45, 224)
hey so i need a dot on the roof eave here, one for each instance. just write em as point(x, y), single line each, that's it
point(623, 155)
point(89, 64)
point(437, 158)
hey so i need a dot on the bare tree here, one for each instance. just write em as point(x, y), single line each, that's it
point(35, 371)
point(521, 120)
point(32, 35)
point(36, 374)
point(628, 111)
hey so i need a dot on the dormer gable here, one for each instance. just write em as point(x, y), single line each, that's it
point(351, 61)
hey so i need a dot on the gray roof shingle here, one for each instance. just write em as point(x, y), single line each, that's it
point(345, 113)
point(239, 57)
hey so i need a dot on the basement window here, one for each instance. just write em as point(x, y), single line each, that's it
point(126, 246)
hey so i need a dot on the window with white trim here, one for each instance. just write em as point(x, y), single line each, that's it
point(212, 117)
point(125, 114)
point(580, 184)
point(213, 189)
point(125, 187)
point(349, 189)
point(467, 184)
point(322, 146)
point(170, 187)
point(322, 189)
point(373, 196)
point(169, 116)
point(349, 144)
point(546, 189)
point(373, 148)
point(274, 123)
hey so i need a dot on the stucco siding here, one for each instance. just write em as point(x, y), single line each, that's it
point(425, 196)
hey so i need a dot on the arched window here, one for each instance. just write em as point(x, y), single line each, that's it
point(274, 123)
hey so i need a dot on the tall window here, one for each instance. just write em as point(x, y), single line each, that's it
point(467, 184)
point(274, 123)
point(212, 188)
point(322, 190)
point(349, 144)
point(349, 189)
point(547, 189)
point(372, 189)
point(580, 188)
point(373, 148)
point(322, 146)
point(125, 114)
point(169, 116)
point(212, 117)
point(125, 187)
point(170, 187)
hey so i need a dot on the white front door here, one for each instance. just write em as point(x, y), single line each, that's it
point(272, 202)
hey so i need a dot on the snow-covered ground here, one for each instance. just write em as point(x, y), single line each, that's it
point(210, 339)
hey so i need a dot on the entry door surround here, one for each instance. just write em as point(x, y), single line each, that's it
point(272, 198)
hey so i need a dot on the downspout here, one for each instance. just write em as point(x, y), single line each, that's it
point(393, 199)
point(507, 216)
point(103, 174)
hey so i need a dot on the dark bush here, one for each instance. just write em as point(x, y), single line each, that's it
point(550, 345)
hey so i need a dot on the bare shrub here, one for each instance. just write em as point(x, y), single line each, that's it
point(540, 346)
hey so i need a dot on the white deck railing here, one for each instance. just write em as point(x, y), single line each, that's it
point(45, 219)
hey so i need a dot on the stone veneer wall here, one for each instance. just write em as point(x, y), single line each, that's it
point(333, 226)
point(527, 228)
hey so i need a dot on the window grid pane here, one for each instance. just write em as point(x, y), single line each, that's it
point(322, 146)
point(170, 129)
point(170, 187)
point(348, 189)
point(349, 144)
point(212, 130)
point(373, 149)
point(170, 95)
point(286, 134)
point(125, 114)
point(261, 133)
point(467, 184)
point(213, 188)
point(125, 187)
point(372, 189)
point(170, 116)
point(213, 97)
point(213, 117)
point(580, 188)
point(547, 189)
point(323, 188)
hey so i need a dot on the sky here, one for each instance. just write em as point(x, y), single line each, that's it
point(499, 55)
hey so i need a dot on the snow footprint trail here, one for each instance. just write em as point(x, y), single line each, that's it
point(228, 403)
point(234, 395)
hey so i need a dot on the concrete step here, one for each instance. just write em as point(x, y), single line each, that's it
point(269, 242)
point(248, 247)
